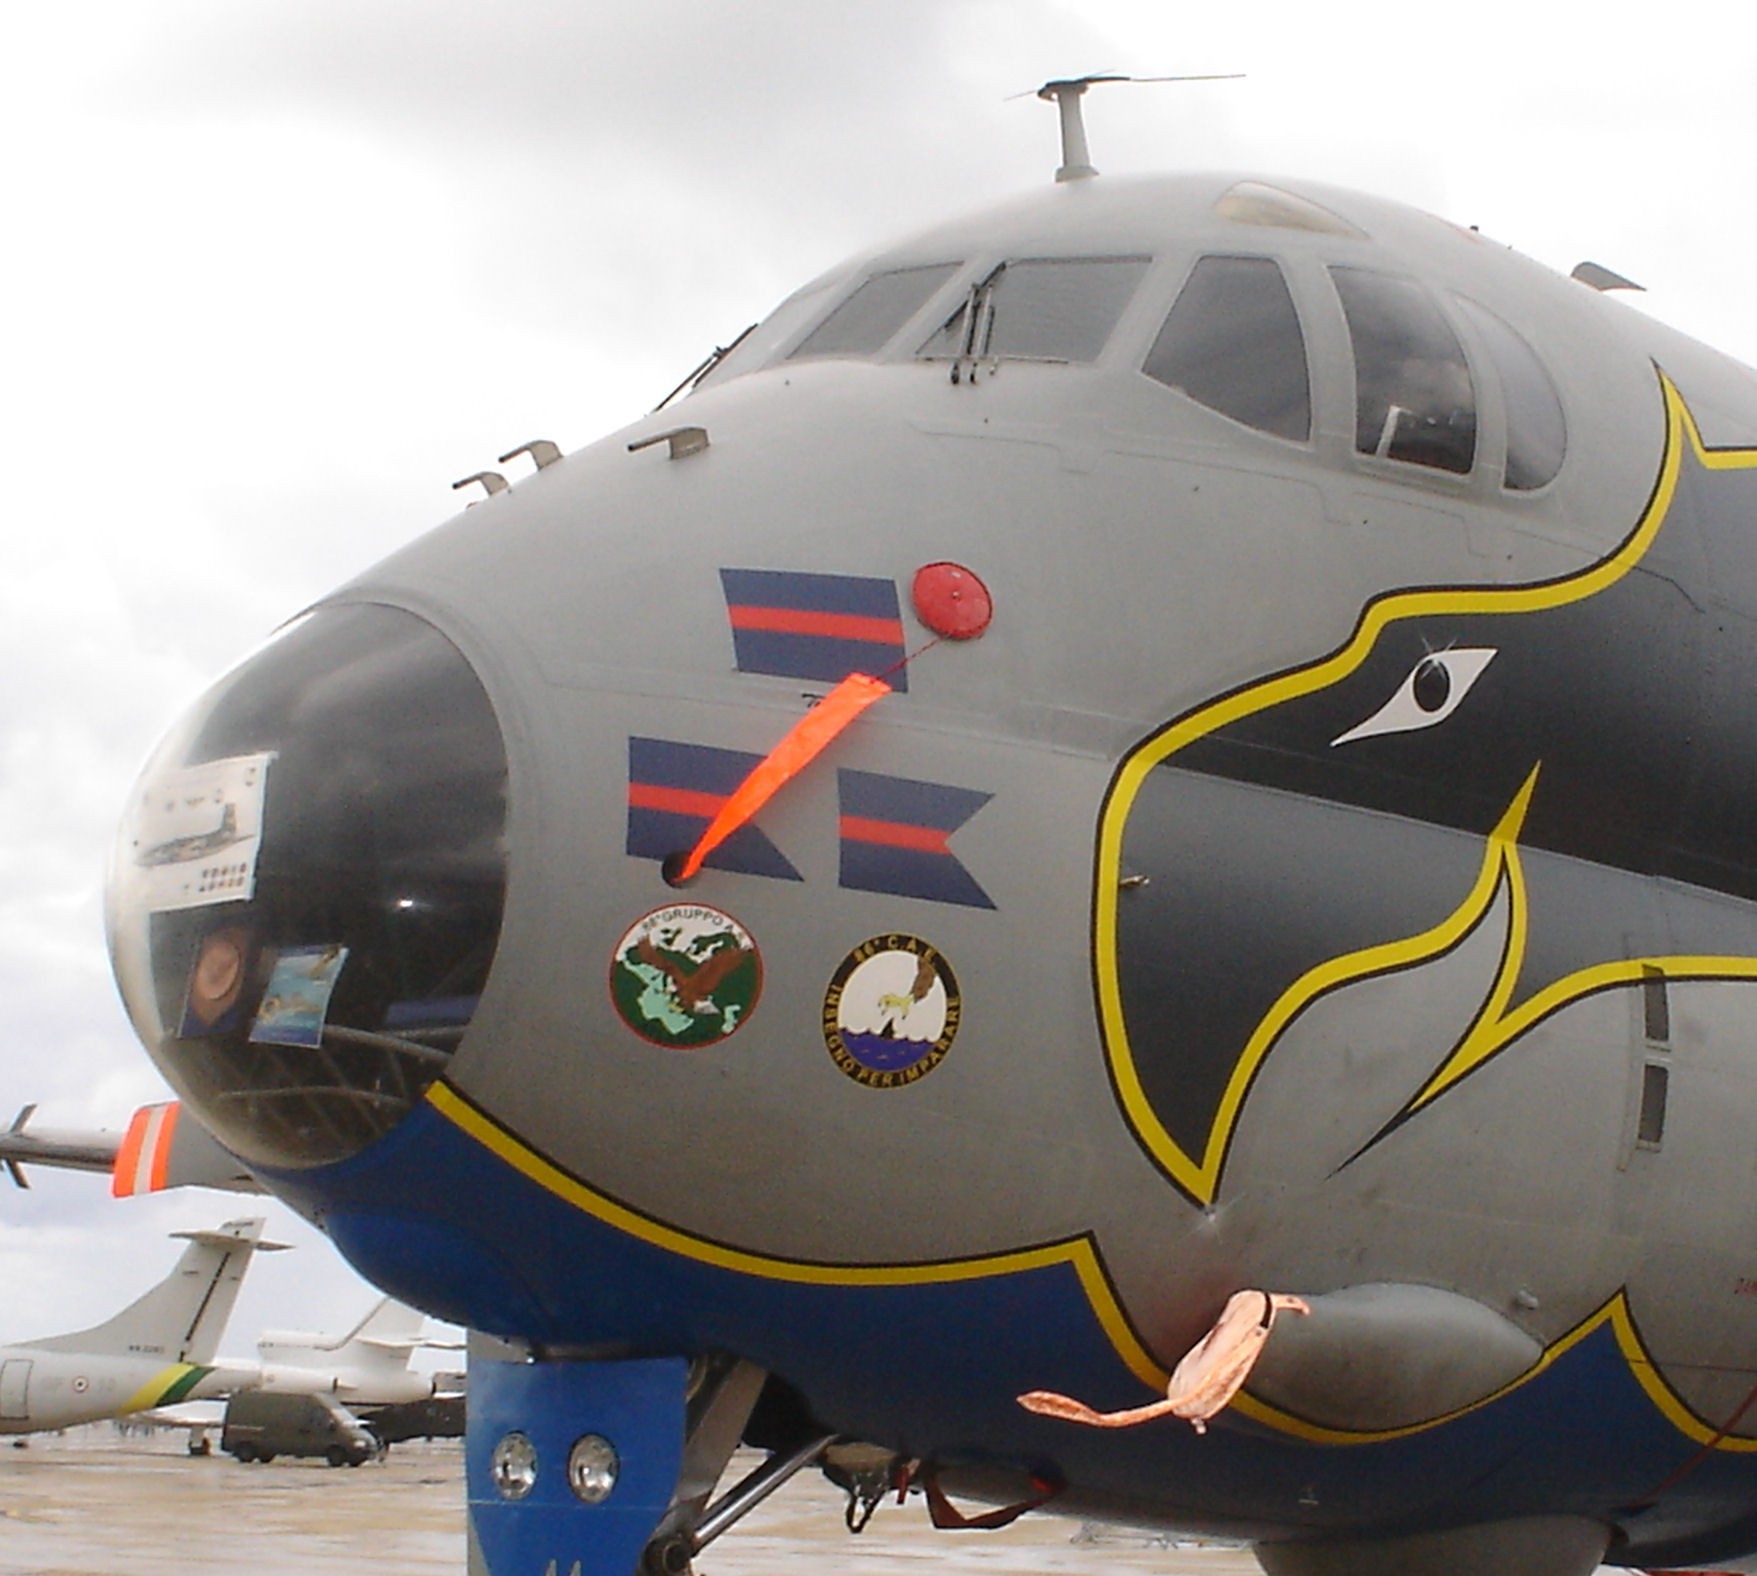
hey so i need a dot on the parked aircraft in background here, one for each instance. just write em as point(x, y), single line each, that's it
point(362, 1378)
point(1174, 739)
point(365, 1368)
point(157, 1351)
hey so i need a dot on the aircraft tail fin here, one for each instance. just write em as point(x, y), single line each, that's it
point(182, 1318)
point(383, 1340)
point(391, 1329)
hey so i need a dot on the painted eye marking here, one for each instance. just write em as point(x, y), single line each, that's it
point(1435, 688)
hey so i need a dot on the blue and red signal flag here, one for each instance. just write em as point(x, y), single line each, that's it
point(808, 626)
point(675, 790)
point(894, 834)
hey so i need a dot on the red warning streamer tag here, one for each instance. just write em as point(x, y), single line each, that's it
point(803, 743)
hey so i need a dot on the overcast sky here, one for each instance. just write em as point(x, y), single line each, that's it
point(277, 273)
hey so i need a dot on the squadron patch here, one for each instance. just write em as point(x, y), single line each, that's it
point(891, 1011)
point(686, 975)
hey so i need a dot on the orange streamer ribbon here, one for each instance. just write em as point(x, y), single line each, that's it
point(804, 742)
point(1208, 1377)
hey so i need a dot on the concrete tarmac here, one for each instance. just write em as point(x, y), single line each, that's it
point(92, 1503)
point(95, 1503)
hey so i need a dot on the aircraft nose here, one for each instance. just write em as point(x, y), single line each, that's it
point(307, 890)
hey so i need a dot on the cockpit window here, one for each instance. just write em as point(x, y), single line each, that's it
point(1253, 202)
point(1043, 309)
point(1537, 435)
point(1232, 342)
point(1414, 400)
point(864, 323)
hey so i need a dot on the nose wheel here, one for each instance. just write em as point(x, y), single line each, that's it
point(583, 1468)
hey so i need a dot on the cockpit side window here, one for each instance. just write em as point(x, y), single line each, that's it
point(1537, 434)
point(1232, 342)
point(1042, 309)
point(1414, 400)
point(864, 323)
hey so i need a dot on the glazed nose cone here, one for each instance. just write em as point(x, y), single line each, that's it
point(307, 890)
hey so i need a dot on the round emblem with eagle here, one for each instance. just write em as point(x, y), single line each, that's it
point(891, 1011)
point(685, 976)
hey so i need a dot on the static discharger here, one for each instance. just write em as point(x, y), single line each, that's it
point(684, 441)
point(492, 482)
point(542, 451)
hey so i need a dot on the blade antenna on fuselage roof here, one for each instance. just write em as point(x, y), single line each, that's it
point(1066, 94)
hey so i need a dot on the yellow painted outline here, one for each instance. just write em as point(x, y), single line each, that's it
point(1082, 1254)
point(1494, 1027)
point(1079, 1252)
point(1500, 865)
point(1199, 1175)
point(1634, 1351)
